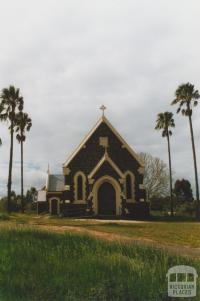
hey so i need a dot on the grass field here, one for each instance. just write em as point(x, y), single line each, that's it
point(182, 233)
point(36, 265)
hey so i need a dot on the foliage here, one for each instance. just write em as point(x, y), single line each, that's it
point(15, 201)
point(15, 204)
point(23, 123)
point(11, 103)
point(164, 122)
point(74, 267)
point(182, 188)
point(186, 97)
point(156, 176)
point(186, 209)
point(31, 195)
point(4, 216)
point(181, 206)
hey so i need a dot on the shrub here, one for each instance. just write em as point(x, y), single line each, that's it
point(4, 217)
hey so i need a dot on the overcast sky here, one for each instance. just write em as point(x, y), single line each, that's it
point(70, 56)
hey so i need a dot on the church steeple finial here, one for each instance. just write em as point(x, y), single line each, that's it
point(48, 170)
point(103, 108)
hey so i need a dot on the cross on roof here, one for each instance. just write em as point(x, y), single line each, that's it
point(103, 108)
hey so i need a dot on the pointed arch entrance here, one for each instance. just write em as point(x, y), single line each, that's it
point(107, 196)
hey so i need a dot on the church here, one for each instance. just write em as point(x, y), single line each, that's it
point(103, 177)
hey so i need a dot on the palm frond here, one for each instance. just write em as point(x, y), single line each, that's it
point(23, 123)
point(164, 122)
point(187, 96)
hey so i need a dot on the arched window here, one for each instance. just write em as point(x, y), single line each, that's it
point(79, 187)
point(129, 186)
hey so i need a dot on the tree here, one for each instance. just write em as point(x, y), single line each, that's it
point(187, 98)
point(182, 189)
point(23, 123)
point(156, 175)
point(11, 102)
point(164, 122)
point(31, 195)
point(14, 202)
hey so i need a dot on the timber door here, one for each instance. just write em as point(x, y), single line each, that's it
point(106, 199)
point(54, 207)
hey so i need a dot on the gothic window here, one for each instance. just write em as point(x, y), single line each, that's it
point(79, 187)
point(129, 186)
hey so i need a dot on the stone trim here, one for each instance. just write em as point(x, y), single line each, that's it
point(141, 170)
point(121, 181)
point(91, 181)
point(66, 171)
point(103, 141)
point(100, 163)
point(117, 188)
point(67, 188)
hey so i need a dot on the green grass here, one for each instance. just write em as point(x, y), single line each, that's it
point(187, 234)
point(173, 232)
point(36, 265)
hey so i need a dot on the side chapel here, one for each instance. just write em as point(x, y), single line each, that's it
point(102, 177)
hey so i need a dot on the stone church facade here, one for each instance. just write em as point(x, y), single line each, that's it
point(103, 177)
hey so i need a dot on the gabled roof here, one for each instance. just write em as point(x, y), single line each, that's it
point(55, 183)
point(106, 158)
point(105, 120)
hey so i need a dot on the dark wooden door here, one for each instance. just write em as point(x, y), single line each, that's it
point(106, 199)
point(54, 207)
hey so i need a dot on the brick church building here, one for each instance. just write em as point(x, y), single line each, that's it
point(102, 177)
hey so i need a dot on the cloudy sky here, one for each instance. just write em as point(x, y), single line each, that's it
point(70, 56)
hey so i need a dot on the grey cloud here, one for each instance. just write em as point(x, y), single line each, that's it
point(70, 57)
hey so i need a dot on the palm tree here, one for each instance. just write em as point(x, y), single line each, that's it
point(11, 102)
point(164, 122)
point(187, 98)
point(23, 124)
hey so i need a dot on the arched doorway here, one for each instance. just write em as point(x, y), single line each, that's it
point(106, 199)
point(54, 206)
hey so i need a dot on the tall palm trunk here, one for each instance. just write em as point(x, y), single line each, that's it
point(10, 165)
point(22, 179)
point(195, 168)
point(170, 175)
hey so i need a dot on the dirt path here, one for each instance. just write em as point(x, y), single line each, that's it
point(175, 249)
